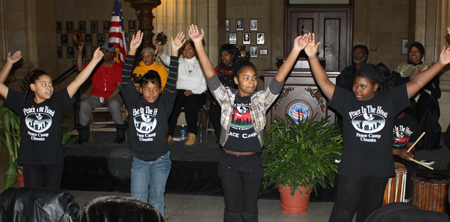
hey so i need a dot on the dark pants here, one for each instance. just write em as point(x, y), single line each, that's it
point(192, 104)
point(362, 194)
point(240, 177)
point(214, 113)
point(43, 175)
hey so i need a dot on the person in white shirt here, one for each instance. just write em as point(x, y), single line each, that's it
point(191, 87)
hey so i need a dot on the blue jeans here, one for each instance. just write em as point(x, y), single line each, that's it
point(150, 177)
point(240, 177)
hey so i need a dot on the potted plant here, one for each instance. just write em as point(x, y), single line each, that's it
point(299, 155)
point(10, 136)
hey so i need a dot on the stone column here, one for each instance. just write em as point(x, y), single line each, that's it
point(145, 16)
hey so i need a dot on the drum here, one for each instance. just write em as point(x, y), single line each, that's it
point(396, 186)
point(430, 190)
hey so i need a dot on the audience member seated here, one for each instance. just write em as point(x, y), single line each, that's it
point(118, 208)
point(36, 205)
point(426, 110)
point(148, 63)
point(191, 90)
point(228, 57)
point(105, 92)
point(360, 54)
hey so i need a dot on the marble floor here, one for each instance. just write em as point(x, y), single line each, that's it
point(190, 208)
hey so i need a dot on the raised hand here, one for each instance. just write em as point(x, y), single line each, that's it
point(194, 34)
point(444, 58)
point(312, 47)
point(80, 45)
point(177, 42)
point(97, 56)
point(14, 58)
point(136, 40)
point(302, 41)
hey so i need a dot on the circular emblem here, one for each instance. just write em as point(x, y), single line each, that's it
point(38, 122)
point(299, 112)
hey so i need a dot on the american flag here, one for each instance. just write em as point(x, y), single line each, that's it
point(116, 34)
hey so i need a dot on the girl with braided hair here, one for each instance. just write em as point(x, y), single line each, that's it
point(40, 111)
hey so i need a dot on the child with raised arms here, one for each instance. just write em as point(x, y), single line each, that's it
point(242, 119)
point(148, 118)
point(368, 120)
point(40, 111)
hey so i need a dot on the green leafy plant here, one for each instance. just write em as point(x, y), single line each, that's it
point(10, 136)
point(301, 154)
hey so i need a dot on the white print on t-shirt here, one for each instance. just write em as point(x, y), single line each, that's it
point(38, 120)
point(367, 121)
point(145, 122)
point(244, 135)
point(402, 134)
point(241, 119)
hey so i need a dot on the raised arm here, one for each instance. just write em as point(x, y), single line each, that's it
point(424, 77)
point(10, 60)
point(81, 78)
point(80, 66)
point(135, 42)
point(197, 37)
point(319, 73)
point(4, 73)
point(177, 43)
point(299, 44)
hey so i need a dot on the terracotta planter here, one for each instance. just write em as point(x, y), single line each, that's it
point(20, 182)
point(294, 204)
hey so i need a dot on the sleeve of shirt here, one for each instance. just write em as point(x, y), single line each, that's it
point(13, 100)
point(127, 87)
point(64, 99)
point(400, 96)
point(272, 92)
point(217, 89)
point(338, 99)
point(165, 59)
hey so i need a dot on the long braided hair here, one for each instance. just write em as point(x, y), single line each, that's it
point(31, 77)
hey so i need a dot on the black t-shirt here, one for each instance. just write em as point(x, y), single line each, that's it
point(148, 129)
point(242, 136)
point(40, 125)
point(367, 127)
point(405, 130)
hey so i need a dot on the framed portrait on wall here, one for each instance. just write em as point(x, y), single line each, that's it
point(69, 27)
point(106, 26)
point(100, 39)
point(70, 52)
point(260, 38)
point(404, 46)
point(64, 39)
point(253, 51)
point(82, 26)
point(239, 24)
point(253, 24)
point(227, 25)
point(58, 27)
point(59, 52)
point(232, 38)
point(132, 25)
point(88, 39)
point(94, 26)
point(246, 38)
